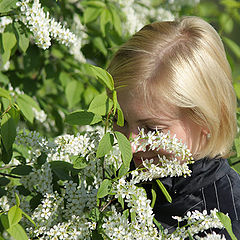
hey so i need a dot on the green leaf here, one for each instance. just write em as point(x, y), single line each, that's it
point(125, 148)
point(14, 215)
point(17, 232)
point(159, 226)
point(105, 145)
point(103, 76)
point(4, 93)
point(233, 46)
point(82, 117)
point(79, 162)
point(22, 170)
point(227, 22)
point(91, 13)
point(17, 200)
point(120, 200)
point(8, 40)
point(99, 44)
point(154, 197)
point(115, 101)
point(164, 190)
point(116, 21)
point(73, 93)
point(6, 56)
point(190, 236)
point(237, 146)
point(120, 119)
point(7, 5)
point(104, 19)
point(4, 220)
point(104, 188)
point(4, 181)
point(101, 104)
point(4, 78)
point(226, 221)
point(94, 3)
point(26, 105)
point(22, 37)
point(123, 170)
point(231, 3)
point(29, 218)
point(8, 131)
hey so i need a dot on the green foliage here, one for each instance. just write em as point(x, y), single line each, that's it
point(225, 220)
point(72, 94)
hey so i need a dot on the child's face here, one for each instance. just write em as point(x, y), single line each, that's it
point(165, 117)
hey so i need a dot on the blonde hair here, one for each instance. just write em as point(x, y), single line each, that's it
point(183, 61)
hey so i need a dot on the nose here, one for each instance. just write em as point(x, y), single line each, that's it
point(133, 135)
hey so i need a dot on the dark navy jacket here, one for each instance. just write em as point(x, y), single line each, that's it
point(212, 184)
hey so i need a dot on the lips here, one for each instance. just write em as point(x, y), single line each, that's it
point(139, 159)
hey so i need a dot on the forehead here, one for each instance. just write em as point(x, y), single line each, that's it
point(135, 105)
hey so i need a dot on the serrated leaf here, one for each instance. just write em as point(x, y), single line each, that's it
point(120, 119)
point(82, 117)
point(8, 131)
point(116, 21)
point(105, 17)
point(104, 188)
point(73, 93)
point(17, 232)
point(91, 13)
point(94, 3)
point(101, 105)
point(7, 5)
point(4, 93)
point(22, 170)
point(123, 170)
point(125, 148)
point(99, 43)
point(103, 76)
point(226, 221)
point(22, 37)
point(8, 40)
point(105, 145)
point(14, 215)
point(26, 105)
point(79, 162)
point(164, 190)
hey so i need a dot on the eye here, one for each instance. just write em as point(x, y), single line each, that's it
point(153, 129)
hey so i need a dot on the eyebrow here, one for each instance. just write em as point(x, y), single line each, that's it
point(153, 119)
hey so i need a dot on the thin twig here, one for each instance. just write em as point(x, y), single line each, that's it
point(9, 175)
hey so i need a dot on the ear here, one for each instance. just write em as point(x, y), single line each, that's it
point(206, 132)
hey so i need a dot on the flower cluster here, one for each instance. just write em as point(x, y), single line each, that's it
point(197, 222)
point(40, 179)
point(42, 26)
point(117, 226)
point(41, 116)
point(156, 140)
point(165, 167)
point(4, 21)
point(78, 199)
point(69, 145)
point(67, 214)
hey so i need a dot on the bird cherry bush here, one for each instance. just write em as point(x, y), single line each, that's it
point(65, 174)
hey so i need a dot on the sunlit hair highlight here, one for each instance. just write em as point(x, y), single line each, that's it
point(184, 63)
